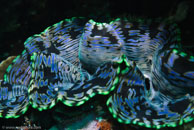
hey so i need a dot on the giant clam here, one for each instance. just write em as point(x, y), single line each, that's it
point(136, 62)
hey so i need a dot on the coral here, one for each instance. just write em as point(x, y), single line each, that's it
point(104, 125)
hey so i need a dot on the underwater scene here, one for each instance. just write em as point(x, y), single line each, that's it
point(96, 65)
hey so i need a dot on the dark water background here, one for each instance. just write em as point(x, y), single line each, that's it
point(20, 19)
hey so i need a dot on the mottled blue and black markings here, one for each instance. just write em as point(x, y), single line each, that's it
point(130, 104)
point(136, 62)
point(19, 71)
point(170, 73)
point(14, 100)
